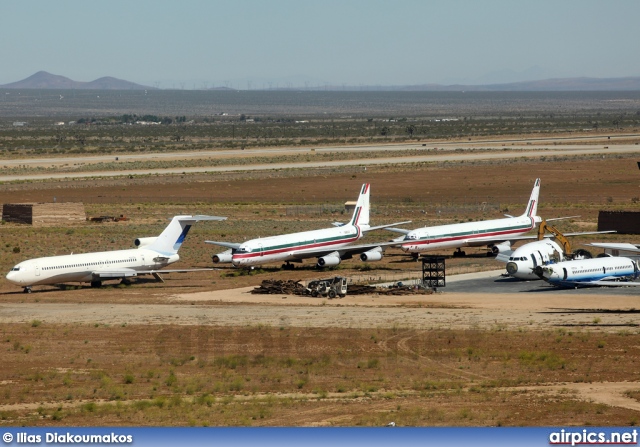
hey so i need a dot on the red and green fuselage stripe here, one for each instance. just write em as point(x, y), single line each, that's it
point(471, 235)
point(326, 242)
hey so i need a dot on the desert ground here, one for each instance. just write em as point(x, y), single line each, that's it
point(201, 350)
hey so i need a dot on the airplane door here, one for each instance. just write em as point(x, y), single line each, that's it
point(533, 258)
point(37, 270)
point(260, 249)
point(565, 273)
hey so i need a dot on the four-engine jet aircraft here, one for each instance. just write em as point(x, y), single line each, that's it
point(497, 234)
point(605, 271)
point(152, 254)
point(329, 245)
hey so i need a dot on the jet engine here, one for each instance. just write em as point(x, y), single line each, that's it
point(372, 255)
point(501, 248)
point(144, 241)
point(223, 258)
point(329, 260)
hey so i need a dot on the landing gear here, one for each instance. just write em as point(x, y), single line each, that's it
point(288, 266)
point(125, 282)
point(415, 256)
point(27, 289)
point(96, 284)
point(459, 253)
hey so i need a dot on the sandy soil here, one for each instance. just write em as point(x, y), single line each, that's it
point(238, 307)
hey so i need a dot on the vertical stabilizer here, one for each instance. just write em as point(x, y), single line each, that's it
point(171, 239)
point(532, 206)
point(361, 213)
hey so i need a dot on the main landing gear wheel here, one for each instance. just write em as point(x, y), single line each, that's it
point(459, 253)
point(288, 266)
point(27, 290)
point(96, 283)
point(415, 256)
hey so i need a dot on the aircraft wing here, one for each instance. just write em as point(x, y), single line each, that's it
point(117, 273)
point(231, 245)
point(532, 237)
point(128, 273)
point(387, 227)
point(399, 230)
point(345, 252)
point(616, 246)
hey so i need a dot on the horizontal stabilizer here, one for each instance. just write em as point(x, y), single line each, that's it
point(231, 245)
point(201, 217)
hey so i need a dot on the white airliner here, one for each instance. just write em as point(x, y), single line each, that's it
point(605, 271)
point(329, 245)
point(522, 261)
point(496, 234)
point(152, 254)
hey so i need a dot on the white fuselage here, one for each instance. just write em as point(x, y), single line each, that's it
point(468, 234)
point(527, 257)
point(290, 247)
point(80, 267)
point(568, 273)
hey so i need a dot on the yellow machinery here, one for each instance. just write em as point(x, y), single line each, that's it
point(562, 240)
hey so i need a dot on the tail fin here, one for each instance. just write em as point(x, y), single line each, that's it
point(171, 239)
point(361, 213)
point(532, 206)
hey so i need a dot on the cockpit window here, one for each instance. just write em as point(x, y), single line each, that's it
point(412, 236)
point(15, 269)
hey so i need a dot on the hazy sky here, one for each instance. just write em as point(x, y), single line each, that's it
point(262, 43)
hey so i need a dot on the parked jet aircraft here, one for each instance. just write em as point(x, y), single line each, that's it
point(522, 261)
point(497, 234)
point(604, 271)
point(329, 245)
point(152, 254)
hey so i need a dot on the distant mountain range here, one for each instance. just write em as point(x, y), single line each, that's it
point(44, 80)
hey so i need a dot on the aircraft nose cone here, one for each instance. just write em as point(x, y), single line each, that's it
point(13, 278)
point(512, 268)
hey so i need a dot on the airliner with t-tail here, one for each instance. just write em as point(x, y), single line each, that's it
point(152, 255)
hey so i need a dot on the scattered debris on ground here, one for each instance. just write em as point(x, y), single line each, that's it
point(277, 286)
point(290, 287)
